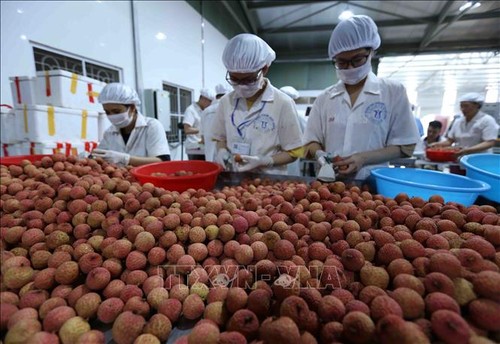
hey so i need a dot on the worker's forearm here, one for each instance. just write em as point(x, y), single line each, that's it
point(381, 155)
point(190, 130)
point(140, 160)
point(478, 148)
point(282, 158)
point(444, 143)
point(311, 148)
point(221, 144)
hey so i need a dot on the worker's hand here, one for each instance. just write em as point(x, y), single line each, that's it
point(223, 157)
point(113, 157)
point(249, 162)
point(350, 164)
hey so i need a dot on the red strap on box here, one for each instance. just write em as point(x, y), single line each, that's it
point(5, 151)
point(68, 148)
point(47, 84)
point(91, 94)
point(18, 90)
point(32, 148)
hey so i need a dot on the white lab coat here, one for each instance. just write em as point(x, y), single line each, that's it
point(380, 117)
point(482, 127)
point(192, 116)
point(269, 127)
point(147, 139)
point(207, 121)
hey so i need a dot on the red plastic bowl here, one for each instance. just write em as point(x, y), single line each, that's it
point(16, 160)
point(204, 177)
point(443, 154)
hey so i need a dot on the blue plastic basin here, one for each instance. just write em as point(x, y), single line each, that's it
point(426, 183)
point(484, 167)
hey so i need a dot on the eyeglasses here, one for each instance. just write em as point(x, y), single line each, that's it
point(246, 81)
point(355, 62)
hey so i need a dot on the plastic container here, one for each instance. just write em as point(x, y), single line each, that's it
point(23, 90)
point(40, 123)
point(484, 167)
point(443, 154)
point(7, 123)
point(16, 160)
point(425, 183)
point(65, 89)
point(205, 174)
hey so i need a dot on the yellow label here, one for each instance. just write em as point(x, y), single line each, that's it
point(74, 82)
point(74, 151)
point(25, 115)
point(51, 120)
point(84, 124)
point(93, 94)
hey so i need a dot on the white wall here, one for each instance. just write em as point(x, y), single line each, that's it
point(102, 30)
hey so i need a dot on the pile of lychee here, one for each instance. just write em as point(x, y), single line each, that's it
point(84, 246)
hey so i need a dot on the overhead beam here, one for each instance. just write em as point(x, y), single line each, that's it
point(432, 28)
point(385, 23)
point(269, 4)
point(235, 16)
point(392, 49)
point(248, 16)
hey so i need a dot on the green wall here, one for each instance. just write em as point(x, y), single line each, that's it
point(303, 75)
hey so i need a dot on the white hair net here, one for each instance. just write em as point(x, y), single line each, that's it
point(472, 97)
point(117, 93)
point(247, 53)
point(290, 91)
point(357, 32)
point(207, 93)
point(222, 89)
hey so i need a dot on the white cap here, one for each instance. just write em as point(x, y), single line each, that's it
point(247, 53)
point(207, 93)
point(116, 93)
point(290, 91)
point(222, 89)
point(472, 97)
point(357, 32)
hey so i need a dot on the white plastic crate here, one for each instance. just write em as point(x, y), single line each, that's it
point(64, 89)
point(41, 123)
point(23, 90)
point(52, 147)
point(103, 124)
point(7, 125)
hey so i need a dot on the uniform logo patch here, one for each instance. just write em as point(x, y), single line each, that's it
point(264, 123)
point(376, 112)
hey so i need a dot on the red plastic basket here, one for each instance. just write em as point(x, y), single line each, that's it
point(204, 177)
point(441, 154)
point(17, 159)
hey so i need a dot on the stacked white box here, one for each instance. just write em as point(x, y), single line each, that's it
point(51, 147)
point(8, 125)
point(64, 89)
point(23, 90)
point(103, 124)
point(43, 123)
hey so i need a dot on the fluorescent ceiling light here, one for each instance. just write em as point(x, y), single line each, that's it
point(346, 15)
point(468, 5)
point(160, 36)
point(20, 11)
point(23, 37)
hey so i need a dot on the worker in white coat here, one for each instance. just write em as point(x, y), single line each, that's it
point(363, 120)
point(132, 139)
point(473, 132)
point(207, 120)
point(256, 120)
point(192, 124)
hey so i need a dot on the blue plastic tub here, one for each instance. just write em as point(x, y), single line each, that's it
point(484, 167)
point(425, 183)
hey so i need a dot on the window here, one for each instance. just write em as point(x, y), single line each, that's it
point(48, 60)
point(180, 99)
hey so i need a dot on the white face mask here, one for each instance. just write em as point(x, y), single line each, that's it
point(247, 91)
point(354, 75)
point(120, 120)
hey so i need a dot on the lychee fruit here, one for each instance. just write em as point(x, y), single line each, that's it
point(450, 327)
point(358, 328)
point(127, 327)
point(280, 331)
point(412, 304)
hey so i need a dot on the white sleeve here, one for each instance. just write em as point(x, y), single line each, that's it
point(290, 135)
point(189, 116)
point(313, 131)
point(403, 129)
point(219, 126)
point(106, 140)
point(490, 129)
point(156, 139)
